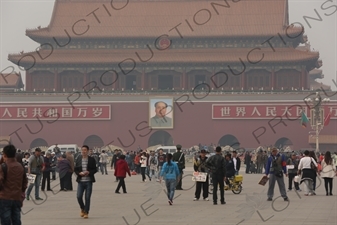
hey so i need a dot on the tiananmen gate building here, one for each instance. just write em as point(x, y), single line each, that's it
point(229, 72)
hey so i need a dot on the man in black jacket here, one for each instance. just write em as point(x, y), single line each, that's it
point(217, 165)
point(85, 168)
point(237, 163)
point(179, 158)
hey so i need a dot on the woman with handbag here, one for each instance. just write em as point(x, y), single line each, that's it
point(328, 172)
point(307, 167)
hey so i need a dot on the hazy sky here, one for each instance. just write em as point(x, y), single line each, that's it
point(17, 16)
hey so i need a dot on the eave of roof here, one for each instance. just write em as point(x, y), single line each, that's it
point(13, 80)
point(203, 56)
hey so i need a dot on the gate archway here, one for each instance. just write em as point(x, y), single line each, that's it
point(38, 142)
point(160, 138)
point(283, 142)
point(230, 140)
point(93, 141)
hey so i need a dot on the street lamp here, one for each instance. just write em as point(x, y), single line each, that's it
point(317, 115)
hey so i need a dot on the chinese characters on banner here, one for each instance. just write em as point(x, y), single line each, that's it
point(264, 111)
point(62, 112)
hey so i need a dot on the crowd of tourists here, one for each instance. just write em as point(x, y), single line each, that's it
point(300, 169)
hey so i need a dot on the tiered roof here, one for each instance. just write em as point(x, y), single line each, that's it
point(140, 19)
point(150, 18)
point(177, 56)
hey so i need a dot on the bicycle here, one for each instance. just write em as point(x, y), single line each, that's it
point(235, 185)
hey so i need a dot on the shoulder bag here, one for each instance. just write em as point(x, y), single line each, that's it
point(312, 165)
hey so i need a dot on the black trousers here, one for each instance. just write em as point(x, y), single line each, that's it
point(138, 168)
point(68, 184)
point(121, 184)
point(204, 187)
point(142, 170)
point(290, 181)
point(328, 184)
point(247, 167)
point(45, 178)
point(63, 182)
point(218, 181)
point(180, 183)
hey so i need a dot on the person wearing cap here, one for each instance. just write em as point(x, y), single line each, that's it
point(179, 158)
point(35, 166)
point(293, 162)
point(200, 166)
point(275, 168)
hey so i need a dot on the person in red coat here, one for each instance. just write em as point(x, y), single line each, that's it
point(120, 172)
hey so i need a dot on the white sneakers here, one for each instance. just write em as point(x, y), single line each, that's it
point(196, 199)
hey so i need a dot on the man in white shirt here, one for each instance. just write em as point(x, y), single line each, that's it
point(237, 162)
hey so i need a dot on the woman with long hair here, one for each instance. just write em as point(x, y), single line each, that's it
point(328, 172)
point(170, 173)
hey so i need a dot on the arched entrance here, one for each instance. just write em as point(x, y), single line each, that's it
point(283, 143)
point(93, 141)
point(160, 138)
point(230, 140)
point(38, 142)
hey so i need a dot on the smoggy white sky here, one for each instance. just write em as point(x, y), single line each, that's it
point(17, 16)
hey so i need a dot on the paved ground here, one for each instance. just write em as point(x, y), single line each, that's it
point(145, 203)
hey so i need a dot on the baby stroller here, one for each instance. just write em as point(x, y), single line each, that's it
point(253, 168)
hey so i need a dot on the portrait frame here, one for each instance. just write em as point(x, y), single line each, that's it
point(161, 123)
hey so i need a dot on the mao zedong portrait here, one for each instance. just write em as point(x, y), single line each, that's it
point(160, 119)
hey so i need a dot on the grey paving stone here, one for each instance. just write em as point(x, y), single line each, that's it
point(146, 203)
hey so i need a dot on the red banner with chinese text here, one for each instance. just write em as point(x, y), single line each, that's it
point(265, 111)
point(62, 112)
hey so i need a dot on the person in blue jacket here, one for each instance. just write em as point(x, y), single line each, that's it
point(170, 172)
point(276, 166)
